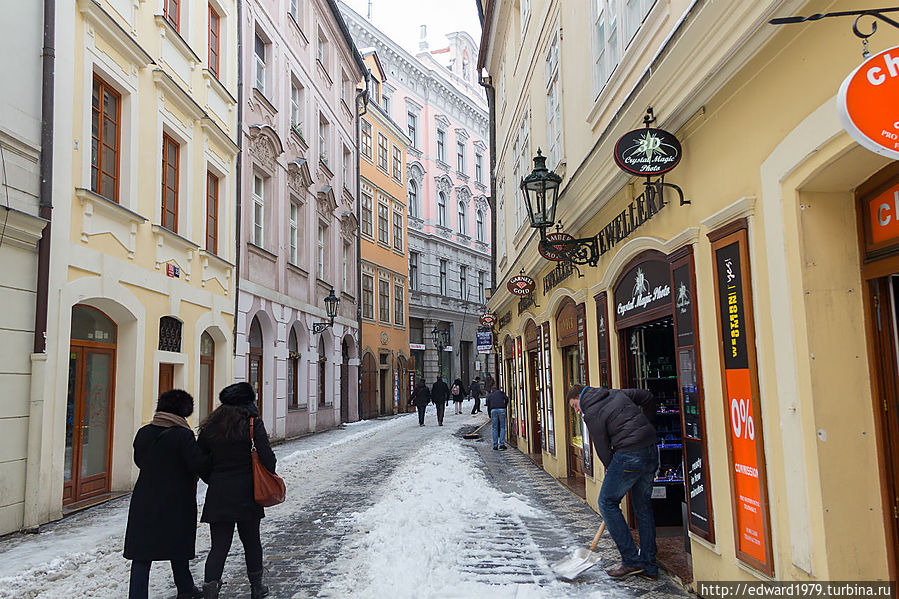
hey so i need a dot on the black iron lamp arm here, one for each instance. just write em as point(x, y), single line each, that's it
point(875, 13)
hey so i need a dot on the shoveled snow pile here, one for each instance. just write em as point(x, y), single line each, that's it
point(431, 532)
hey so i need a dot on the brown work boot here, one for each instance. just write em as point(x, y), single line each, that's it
point(621, 570)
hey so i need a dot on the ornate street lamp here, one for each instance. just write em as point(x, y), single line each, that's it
point(541, 190)
point(331, 304)
point(440, 338)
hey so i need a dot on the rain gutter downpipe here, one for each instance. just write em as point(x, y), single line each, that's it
point(237, 175)
point(361, 106)
point(48, 57)
point(487, 84)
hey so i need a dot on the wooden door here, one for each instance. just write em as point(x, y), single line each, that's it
point(166, 378)
point(89, 417)
point(369, 387)
point(574, 426)
point(885, 296)
point(535, 388)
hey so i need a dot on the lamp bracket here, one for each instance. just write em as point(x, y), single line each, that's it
point(875, 14)
point(320, 327)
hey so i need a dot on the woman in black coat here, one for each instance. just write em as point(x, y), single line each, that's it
point(458, 397)
point(162, 517)
point(225, 438)
point(421, 397)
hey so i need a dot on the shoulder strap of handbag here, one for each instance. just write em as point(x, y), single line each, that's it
point(252, 437)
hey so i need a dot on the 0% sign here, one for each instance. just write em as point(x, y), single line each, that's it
point(741, 419)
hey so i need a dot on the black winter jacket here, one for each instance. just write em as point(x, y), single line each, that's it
point(162, 517)
point(462, 392)
point(475, 390)
point(421, 396)
point(618, 419)
point(230, 476)
point(440, 392)
point(497, 400)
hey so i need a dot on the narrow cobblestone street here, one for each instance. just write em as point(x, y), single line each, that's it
point(352, 524)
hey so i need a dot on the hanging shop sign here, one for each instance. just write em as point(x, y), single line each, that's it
point(520, 285)
point(555, 253)
point(640, 210)
point(742, 405)
point(484, 340)
point(867, 103)
point(504, 320)
point(882, 226)
point(647, 152)
point(643, 288)
point(555, 277)
point(486, 320)
point(417, 346)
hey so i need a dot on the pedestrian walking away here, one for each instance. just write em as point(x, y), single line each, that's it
point(497, 401)
point(439, 395)
point(225, 438)
point(458, 393)
point(475, 391)
point(620, 422)
point(489, 383)
point(162, 516)
point(421, 397)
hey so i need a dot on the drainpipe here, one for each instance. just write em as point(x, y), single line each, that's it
point(46, 173)
point(238, 173)
point(361, 109)
point(487, 84)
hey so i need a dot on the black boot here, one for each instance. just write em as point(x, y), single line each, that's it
point(194, 593)
point(211, 589)
point(257, 589)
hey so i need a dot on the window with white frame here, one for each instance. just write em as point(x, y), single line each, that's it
point(261, 50)
point(383, 223)
point(478, 167)
point(634, 13)
point(553, 104)
point(294, 231)
point(347, 164)
point(412, 128)
point(461, 217)
point(320, 258)
point(443, 279)
point(345, 87)
point(397, 163)
point(441, 145)
point(296, 106)
point(258, 210)
point(413, 198)
point(441, 208)
point(385, 101)
point(460, 157)
point(399, 317)
point(525, 14)
point(500, 242)
point(524, 158)
point(502, 85)
point(323, 138)
point(294, 10)
point(413, 271)
point(607, 46)
point(365, 143)
point(368, 292)
point(367, 214)
point(397, 229)
point(321, 50)
point(463, 282)
point(479, 225)
point(481, 298)
point(384, 300)
point(383, 148)
point(346, 267)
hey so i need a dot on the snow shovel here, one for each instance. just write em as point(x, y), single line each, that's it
point(474, 434)
point(579, 561)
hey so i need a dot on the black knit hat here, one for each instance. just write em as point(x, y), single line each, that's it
point(237, 394)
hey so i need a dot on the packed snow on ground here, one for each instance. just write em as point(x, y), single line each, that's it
point(81, 556)
point(416, 541)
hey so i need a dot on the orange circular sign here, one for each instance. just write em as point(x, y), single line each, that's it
point(868, 103)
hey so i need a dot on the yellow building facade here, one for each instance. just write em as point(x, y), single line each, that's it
point(760, 310)
point(385, 262)
point(141, 284)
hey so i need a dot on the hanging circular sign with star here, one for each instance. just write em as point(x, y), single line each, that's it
point(556, 253)
point(486, 319)
point(647, 152)
point(521, 285)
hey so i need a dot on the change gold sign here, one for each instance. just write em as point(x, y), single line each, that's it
point(867, 103)
point(742, 407)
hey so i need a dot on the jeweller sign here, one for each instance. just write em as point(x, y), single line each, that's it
point(867, 103)
point(520, 285)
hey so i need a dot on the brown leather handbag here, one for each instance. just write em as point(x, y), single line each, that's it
point(268, 488)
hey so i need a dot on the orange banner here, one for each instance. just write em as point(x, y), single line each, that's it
point(746, 474)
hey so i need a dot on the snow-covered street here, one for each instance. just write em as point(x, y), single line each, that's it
point(379, 509)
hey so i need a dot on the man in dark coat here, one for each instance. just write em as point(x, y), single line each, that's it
point(162, 517)
point(620, 425)
point(475, 391)
point(497, 402)
point(421, 397)
point(439, 395)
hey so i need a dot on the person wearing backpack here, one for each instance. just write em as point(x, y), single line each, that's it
point(458, 394)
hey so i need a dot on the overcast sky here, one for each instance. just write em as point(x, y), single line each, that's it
point(400, 19)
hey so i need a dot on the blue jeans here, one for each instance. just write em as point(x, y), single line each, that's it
point(498, 422)
point(631, 471)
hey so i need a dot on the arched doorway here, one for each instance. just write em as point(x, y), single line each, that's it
point(369, 387)
point(344, 381)
point(511, 388)
point(571, 338)
point(293, 371)
point(90, 405)
point(205, 401)
point(254, 373)
point(535, 388)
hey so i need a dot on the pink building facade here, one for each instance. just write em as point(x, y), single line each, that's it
point(298, 229)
